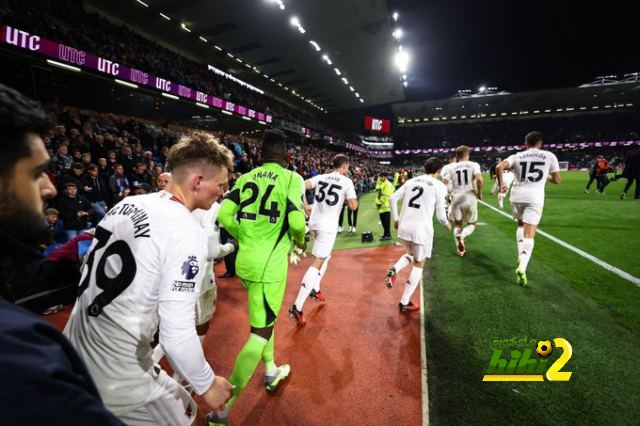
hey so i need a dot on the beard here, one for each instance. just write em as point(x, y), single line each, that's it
point(21, 221)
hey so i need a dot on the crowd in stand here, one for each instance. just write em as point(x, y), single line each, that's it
point(66, 22)
point(601, 127)
point(99, 160)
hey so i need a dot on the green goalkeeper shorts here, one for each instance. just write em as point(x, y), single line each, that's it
point(265, 301)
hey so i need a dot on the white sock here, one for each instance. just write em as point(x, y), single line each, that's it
point(468, 230)
point(403, 262)
point(272, 373)
point(323, 269)
point(201, 338)
point(308, 283)
point(222, 414)
point(410, 286)
point(157, 354)
point(500, 199)
point(525, 254)
point(519, 240)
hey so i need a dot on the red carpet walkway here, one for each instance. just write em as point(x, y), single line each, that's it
point(356, 362)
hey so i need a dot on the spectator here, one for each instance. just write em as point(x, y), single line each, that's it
point(98, 194)
point(632, 173)
point(54, 224)
point(38, 363)
point(75, 211)
point(119, 184)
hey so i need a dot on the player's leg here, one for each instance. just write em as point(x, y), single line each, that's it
point(172, 406)
point(495, 187)
point(385, 219)
point(274, 296)
point(404, 261)
point(355, 218)
point(471, 218)
point(591, 179)
point(316, 287)
point(341, 219)
point(420, 253)
point(530, 218)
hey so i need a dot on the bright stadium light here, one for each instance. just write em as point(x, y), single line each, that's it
point(395, 16)
point(337, 71)
point(316, 46)
point(142, 3)
point(184, 27)
point(295, 21)
point(402, 60)
point(398, 33)
point(165, 16)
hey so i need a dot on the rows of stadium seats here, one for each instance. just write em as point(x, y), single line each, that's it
point(595, 127)
point(66, 22)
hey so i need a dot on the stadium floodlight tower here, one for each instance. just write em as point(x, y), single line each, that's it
point(633, 77)
point(487, 91)
point(465, 93)
point(602, 80)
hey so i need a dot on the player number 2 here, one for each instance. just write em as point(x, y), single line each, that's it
point(272, 212)
point(529, 168)
point(112, 286)
point(420, 191)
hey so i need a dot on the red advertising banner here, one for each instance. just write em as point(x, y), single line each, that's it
point(377, 124)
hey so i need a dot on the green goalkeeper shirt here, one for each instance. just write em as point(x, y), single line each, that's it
point(264, 212)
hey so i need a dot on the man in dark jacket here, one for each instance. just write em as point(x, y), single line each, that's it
point(43, 378)
point(632, 173)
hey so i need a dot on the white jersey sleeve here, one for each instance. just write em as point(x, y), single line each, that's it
point(531, 169)
point(393, 201)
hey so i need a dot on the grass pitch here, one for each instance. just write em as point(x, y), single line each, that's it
point(473, 300)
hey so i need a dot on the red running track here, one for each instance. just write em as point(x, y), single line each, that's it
point(356, 362)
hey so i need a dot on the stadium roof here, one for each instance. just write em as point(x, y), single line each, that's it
point(355, 35)
point(578, 99)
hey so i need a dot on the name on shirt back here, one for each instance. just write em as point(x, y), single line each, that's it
point(138, 216)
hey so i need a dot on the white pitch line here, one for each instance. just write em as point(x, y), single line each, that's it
point(423, 360)
point(584, 254)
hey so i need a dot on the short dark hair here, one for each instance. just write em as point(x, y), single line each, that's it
point(77, 166)
point(533, 138)
point(19, 116)
point(432, 165)
point(273, 146)
point(339, 160)
point(91, 166)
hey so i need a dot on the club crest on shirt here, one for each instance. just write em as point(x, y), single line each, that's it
point(190, 268)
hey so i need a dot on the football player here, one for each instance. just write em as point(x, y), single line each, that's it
point(331, 191)
point(466, 179)
point(143, 271)
point(532, 169)
point(421, 197)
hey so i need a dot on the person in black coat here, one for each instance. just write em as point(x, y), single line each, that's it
point(632, 173)
point(43, 378)
point(75, 211)
point(98, 194)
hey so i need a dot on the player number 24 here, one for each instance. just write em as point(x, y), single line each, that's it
point(272, 212)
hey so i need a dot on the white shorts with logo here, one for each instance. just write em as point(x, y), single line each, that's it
point(323, 243)
point(419, 252)
point(527, 213)
point(464, 208)
point(173, 406)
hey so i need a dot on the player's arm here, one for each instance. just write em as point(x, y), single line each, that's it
point(554, 171)
point(228, 211)
point(393, 203)
point(479, 182)
point(181, 270)
point(441, 204)
point(295, 212)
point(555, 178)
point(351, 196)
point(499, 168)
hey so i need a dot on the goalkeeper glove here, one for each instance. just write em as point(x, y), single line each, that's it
point(296, 254)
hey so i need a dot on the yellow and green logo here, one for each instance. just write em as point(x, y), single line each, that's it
point(521, 367)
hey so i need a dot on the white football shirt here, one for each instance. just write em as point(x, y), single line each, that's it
point(531, 169)
point(462, 176)
point(421, 197)
point(148, 249)
point(332, 190)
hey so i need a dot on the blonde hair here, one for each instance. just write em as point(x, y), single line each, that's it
point(199, 149)
point(462, 151)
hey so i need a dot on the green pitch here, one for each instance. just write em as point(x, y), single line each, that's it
point(473, 300)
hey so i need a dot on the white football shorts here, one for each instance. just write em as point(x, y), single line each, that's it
point(527, 213)
point(419, 252)
point(323, 243)
point(172, 406)
point(464, 208)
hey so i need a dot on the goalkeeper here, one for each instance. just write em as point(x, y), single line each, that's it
point(264, 212)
